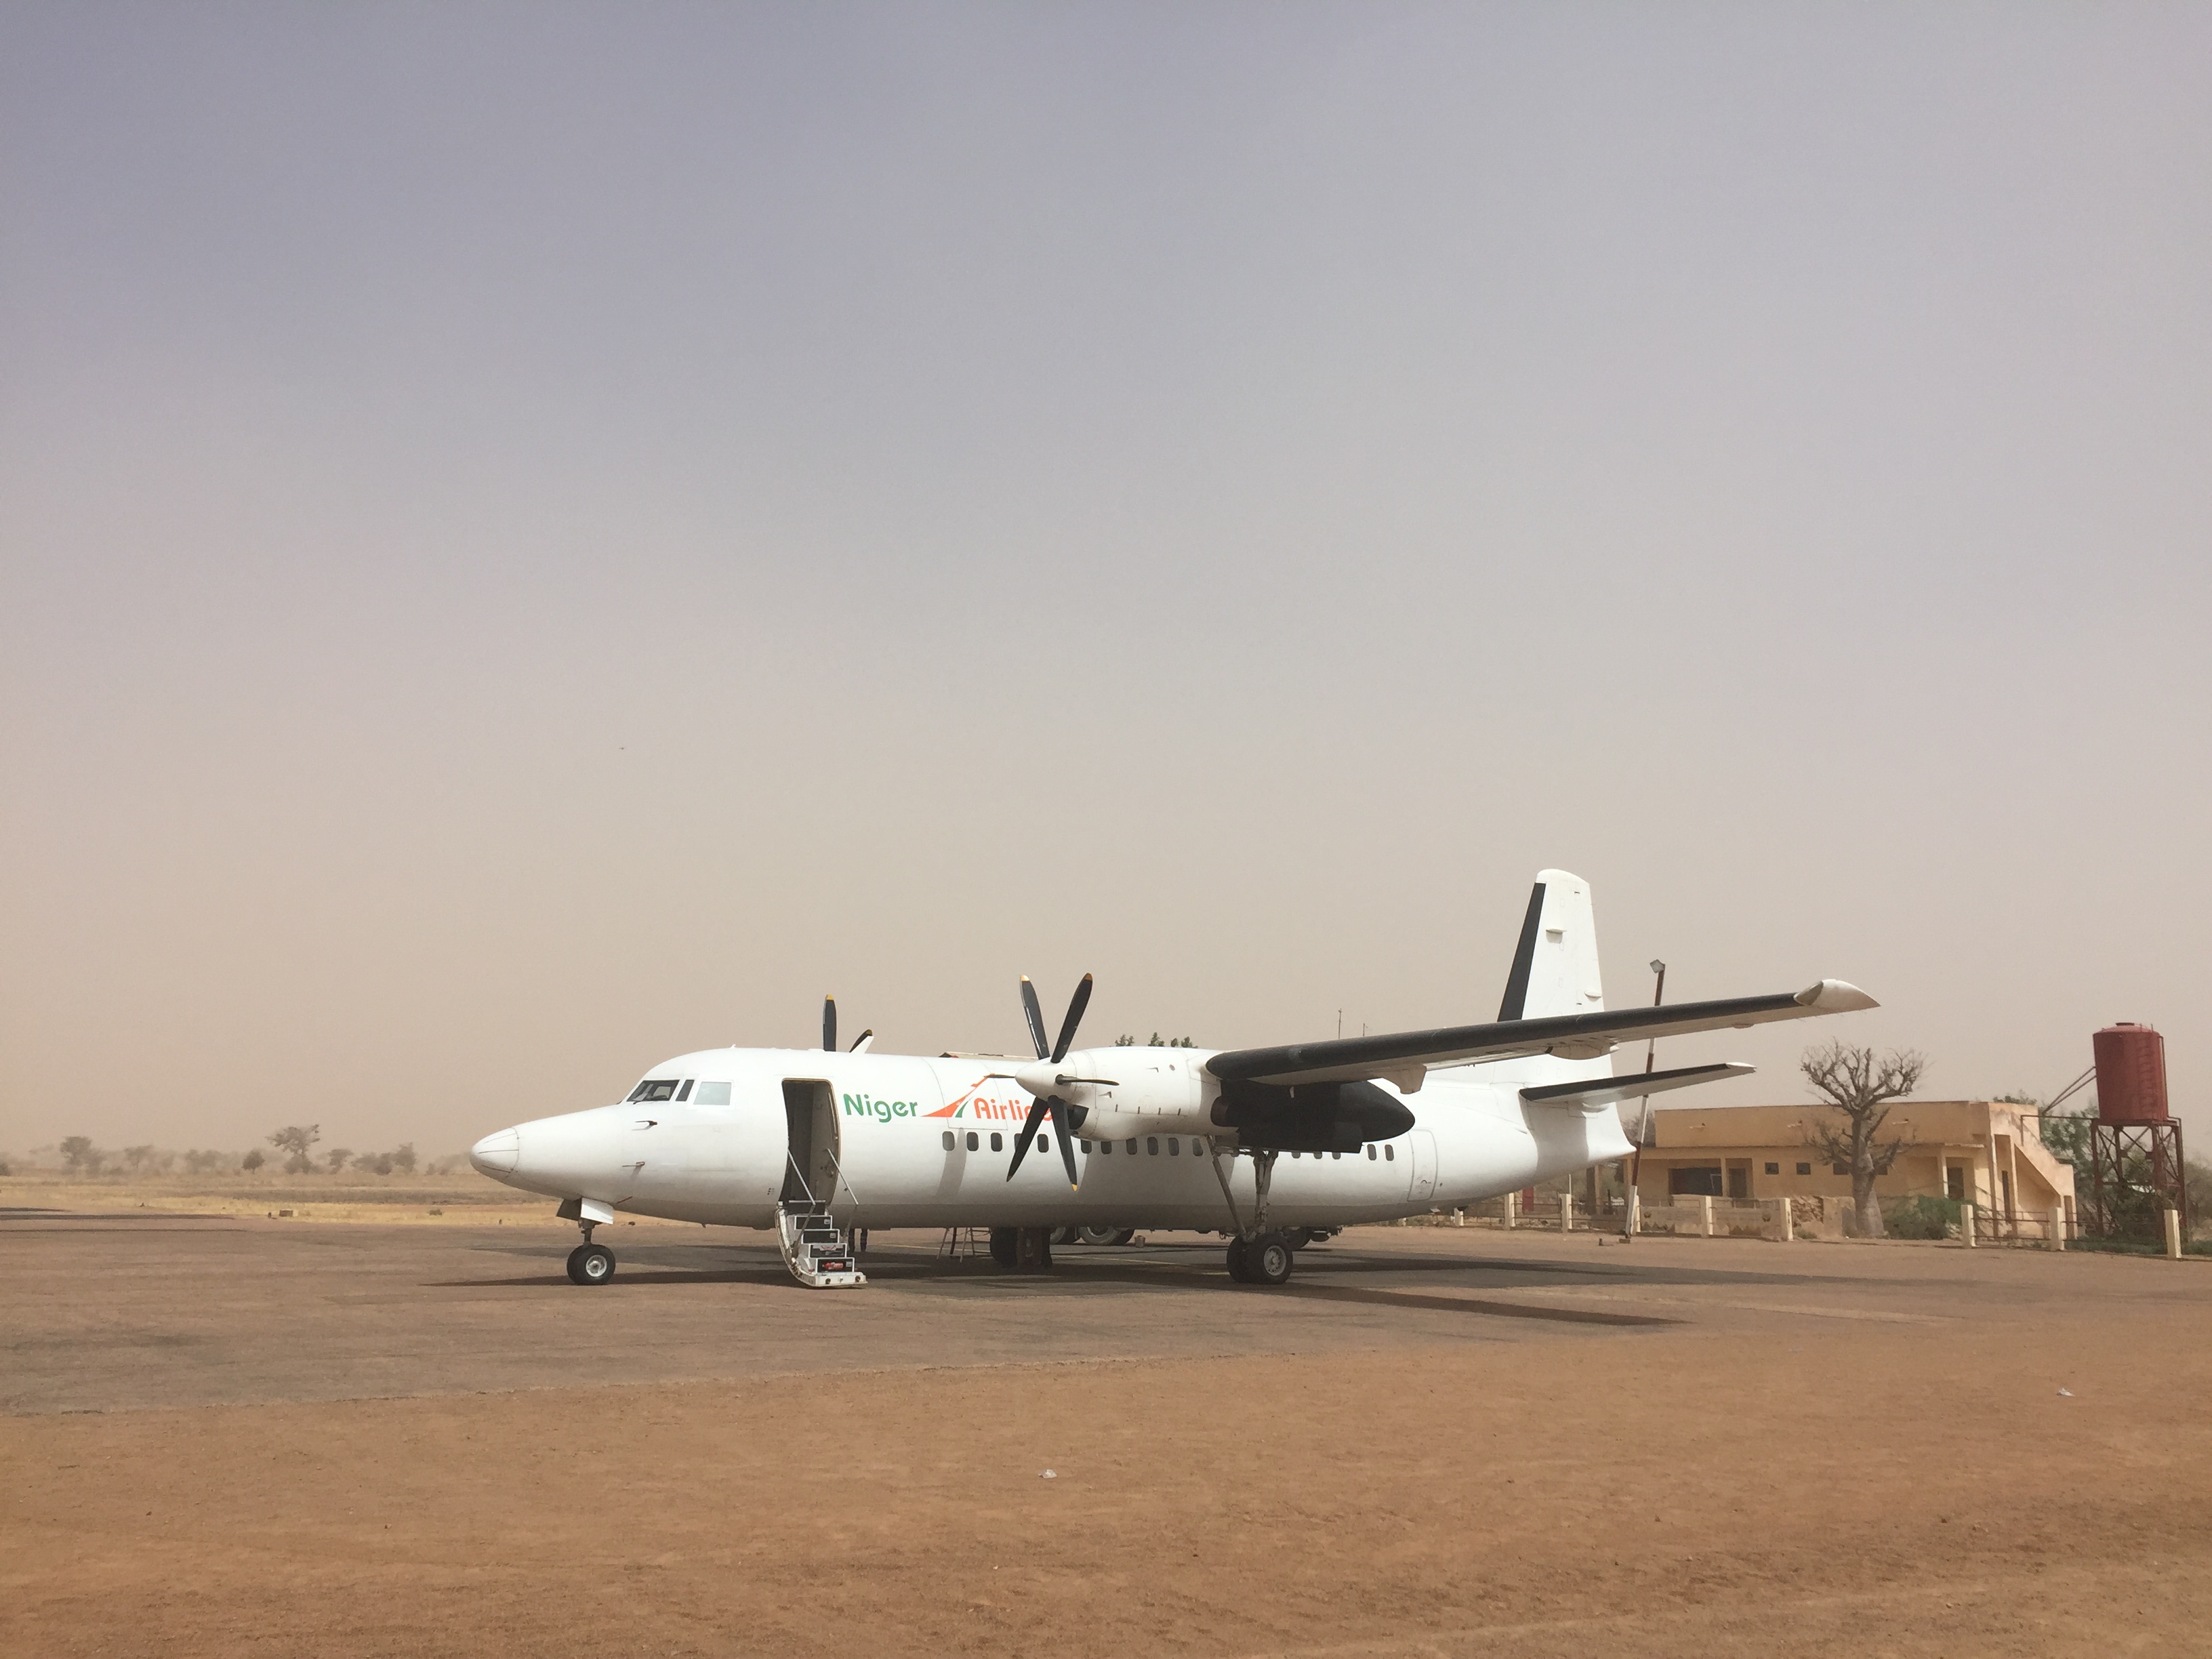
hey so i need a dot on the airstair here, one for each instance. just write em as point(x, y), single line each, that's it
point(813, 1249)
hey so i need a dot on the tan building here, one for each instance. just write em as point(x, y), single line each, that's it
point(1983, 1152)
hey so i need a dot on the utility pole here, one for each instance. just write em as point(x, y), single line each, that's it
point(1644, 1116)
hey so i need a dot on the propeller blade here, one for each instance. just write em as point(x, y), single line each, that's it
point(860, 1042)
point(1060, 1130)
point(1075, 1007)
point(1028, 1134)
point(1036, 1017)
point(830, 1023)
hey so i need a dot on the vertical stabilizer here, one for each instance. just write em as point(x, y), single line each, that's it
point(1555, 966)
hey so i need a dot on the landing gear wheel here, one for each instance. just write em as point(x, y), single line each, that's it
point(1104, 1235)
point(590, 1264)
point(1239, 1267)
point(1268, 1260)
point(1003, 1247)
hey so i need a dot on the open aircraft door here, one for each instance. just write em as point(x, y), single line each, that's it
point(1423, 1146)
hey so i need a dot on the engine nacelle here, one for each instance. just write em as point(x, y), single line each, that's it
point(1127, 1091)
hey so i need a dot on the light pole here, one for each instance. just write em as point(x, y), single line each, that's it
point(1643, 1117)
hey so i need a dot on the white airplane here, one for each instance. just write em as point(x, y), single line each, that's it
point(1271, 1146)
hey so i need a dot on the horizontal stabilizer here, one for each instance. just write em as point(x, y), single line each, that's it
point(1605, 1091)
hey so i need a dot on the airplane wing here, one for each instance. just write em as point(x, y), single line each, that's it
point(1403, 1057)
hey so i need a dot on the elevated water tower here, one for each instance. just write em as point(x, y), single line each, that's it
point(2135, 1146)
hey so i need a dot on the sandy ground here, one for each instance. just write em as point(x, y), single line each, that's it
point(237, 1436)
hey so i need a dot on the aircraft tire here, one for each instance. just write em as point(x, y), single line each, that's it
point(590, 1264)
point(1268, 1260)
point(1239, 1268)
point(1104, 1235)
point(1005, 1247)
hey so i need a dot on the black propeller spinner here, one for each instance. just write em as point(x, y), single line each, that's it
point(1060, 1110)
point(829, 1027)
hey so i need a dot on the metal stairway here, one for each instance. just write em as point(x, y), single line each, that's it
point(813, 1249)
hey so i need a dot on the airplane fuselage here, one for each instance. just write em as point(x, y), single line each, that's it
point(891, 1141)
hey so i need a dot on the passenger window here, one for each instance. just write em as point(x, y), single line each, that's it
point(1105, 1147)
point(1371, 1149)
point(972, 1142)
point(1044, 1143)
point(654, 1089)
point(1390, 1152)
point(1085, 1144)
point(948, 1140)
point(1152, 1146)
point(685, 1093)
point(712, 1094)
point(1133, 1146)
point(998, 1144)
point(1172, 1148)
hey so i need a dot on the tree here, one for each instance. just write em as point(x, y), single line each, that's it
point(251, 1161)
point(80, 1154)
point(404, 1159)
point(135, 1158)
point(1858, 1087)
point(295, 1139)
point(337, 1156)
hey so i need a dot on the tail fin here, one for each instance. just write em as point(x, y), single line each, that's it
point(1555, 969)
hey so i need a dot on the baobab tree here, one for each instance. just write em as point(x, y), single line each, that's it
point(1859, 1086)
point(295, 1138)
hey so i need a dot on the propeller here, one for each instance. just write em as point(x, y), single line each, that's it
point(1048, 1104)
point(830, 1029)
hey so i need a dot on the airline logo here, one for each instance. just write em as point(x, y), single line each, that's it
point(882, 1110)
point(975, 1105)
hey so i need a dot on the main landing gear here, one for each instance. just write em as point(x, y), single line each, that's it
point(590, 1263)
point(1265, 1259)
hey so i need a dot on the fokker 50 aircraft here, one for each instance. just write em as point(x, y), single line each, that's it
point(1265, 1144)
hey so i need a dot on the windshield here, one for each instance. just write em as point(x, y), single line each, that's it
point(654, 1089)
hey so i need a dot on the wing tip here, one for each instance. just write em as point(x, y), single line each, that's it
point(1835, 996)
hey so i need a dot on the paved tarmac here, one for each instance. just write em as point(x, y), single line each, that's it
point(138, 1309)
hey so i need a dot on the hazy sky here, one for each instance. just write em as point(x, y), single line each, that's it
point(535, 538)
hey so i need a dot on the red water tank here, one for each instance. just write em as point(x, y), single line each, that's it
point(2130, 1074)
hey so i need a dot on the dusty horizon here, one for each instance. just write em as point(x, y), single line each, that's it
point(536, 540)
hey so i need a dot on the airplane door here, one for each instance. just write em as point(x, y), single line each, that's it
point(1423, 1146)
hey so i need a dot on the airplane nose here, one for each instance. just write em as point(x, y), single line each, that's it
point(498, 1154)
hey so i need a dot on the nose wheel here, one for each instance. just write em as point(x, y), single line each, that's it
point(590, 1264)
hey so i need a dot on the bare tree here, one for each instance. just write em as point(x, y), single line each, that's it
point(295, 1138)
point(1859, 1086)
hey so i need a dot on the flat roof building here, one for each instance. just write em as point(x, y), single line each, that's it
point(1985, 1152)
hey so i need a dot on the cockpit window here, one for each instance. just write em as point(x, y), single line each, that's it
point(655, 1088)
point(685, 1093)
point(712, 1094)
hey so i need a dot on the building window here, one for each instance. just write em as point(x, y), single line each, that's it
point(1695, 1181)
point(948, 1140)
point(998, 1142)
point(1840, 1168)
point(1804, 1169)
point(1774, 1169)
point(972, 1142)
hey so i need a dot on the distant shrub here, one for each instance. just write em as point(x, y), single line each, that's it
point(251, 1161)
point(1921, 1218)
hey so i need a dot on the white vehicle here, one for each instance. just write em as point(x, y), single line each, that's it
point(1268, 1146)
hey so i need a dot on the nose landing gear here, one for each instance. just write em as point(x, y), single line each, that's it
point(590, 1263)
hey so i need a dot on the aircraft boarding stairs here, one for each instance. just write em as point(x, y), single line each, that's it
point(813, 1249)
